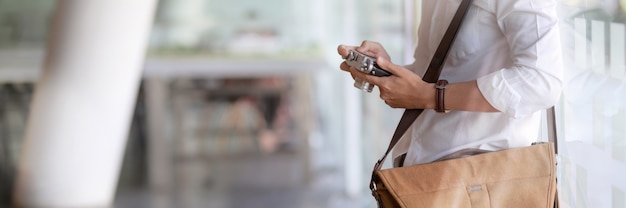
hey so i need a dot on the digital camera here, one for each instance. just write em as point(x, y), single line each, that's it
point(367, 65)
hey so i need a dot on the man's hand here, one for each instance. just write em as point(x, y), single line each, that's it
point(369, 48)
point(403, 89)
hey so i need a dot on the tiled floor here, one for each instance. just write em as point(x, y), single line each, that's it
point(255, 181)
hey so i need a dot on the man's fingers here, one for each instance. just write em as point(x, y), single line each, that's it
point(344, 50)
point(353, 72)
point(364, 47)
point(344, 66)
point(365, 77)
point(368, 48)
point(390, 67)
point(386, 65)
point(395, 70)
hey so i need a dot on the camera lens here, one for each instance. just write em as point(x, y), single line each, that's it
point(365, 86)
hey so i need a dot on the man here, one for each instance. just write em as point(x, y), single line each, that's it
point(503, 69)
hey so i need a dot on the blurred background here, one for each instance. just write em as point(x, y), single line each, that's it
point(240, 103)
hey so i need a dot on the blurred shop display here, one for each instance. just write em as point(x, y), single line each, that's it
point(212, 140)
point(14, 102)
point(230, 116)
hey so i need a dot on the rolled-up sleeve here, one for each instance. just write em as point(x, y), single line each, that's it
point(534, 81)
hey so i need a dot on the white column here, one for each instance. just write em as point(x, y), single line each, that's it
point(83, 104)
point(353, 113)
point(353, 150)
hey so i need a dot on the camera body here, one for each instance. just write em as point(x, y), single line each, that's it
point(367, 65)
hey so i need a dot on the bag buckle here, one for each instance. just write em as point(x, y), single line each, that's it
point(373, 188)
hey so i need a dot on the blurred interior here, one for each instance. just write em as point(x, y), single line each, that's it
point(241, 103)
point(245, 101)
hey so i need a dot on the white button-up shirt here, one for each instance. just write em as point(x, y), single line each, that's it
point(512, 48)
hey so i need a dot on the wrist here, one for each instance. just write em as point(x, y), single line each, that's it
point(430, 99)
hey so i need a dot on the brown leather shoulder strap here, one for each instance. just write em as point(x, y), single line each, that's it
point(431, 76)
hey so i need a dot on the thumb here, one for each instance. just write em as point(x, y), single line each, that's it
point(344, 50)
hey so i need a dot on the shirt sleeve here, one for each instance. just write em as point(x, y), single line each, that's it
point(534, 81)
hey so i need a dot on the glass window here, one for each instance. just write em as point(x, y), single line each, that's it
point(593, 107)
